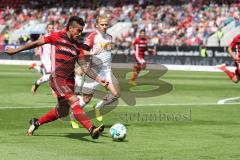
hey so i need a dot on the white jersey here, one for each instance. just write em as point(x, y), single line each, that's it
point(96, 40)
point(47, 57)
point(101, 62)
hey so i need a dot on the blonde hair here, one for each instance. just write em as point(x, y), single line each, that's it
point(102, 17)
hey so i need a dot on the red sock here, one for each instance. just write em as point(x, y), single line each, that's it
point(81, 116)
point(49, 117)
point(229, 73)
point(135, 72)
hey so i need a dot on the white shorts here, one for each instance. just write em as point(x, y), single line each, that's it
point(47, 56)
point(46, 62)
point(90, 85)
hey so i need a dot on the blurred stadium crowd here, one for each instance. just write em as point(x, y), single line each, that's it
point(179, 22)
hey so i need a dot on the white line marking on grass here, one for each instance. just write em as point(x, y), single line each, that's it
point(138, 105)
point(129, 65)
point(223, 101)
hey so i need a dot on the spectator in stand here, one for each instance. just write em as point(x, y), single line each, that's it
point(173, 23)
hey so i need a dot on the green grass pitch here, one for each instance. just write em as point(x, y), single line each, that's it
point(186, 123)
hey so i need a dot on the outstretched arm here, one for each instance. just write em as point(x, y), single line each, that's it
point(87, 50)
point(84, 63)
point(34, 44)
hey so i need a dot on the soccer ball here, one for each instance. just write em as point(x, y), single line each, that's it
point(118, 132)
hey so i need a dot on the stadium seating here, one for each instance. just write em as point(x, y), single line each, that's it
point(173, 25)
point(13, 3)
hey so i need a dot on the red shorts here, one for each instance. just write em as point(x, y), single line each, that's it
point(62, 87)
point(141, 61)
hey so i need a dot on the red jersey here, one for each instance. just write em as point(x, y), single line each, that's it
point(140, 45)
point(66, 53)
point(235, 44)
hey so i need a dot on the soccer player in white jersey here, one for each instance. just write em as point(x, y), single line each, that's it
point(46, 53)
point(101, 63)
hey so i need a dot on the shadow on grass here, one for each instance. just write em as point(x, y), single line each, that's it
point(110, 125)
point(77, 136)
point(107, 135)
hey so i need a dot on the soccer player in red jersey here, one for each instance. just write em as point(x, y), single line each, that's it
point(67, 51)
point(234, 46)
point(141, 46)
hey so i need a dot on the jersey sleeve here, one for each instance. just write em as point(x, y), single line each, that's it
point(80, 53)
point(233, 43)
point(89, 40)
point(135, 41)
point(50, 38)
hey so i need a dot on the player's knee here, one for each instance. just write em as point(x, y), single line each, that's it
point(135, 67)
point(63, 107)
point(87, 98)
point(138, 68)
point(63, 111)
point(144, 66)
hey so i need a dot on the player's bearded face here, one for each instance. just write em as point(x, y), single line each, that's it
point(76, 32)
point(102, 25)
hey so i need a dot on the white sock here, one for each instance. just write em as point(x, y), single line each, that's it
point(43, 79)
point(100, 104)
point(81, 101)
point(78, 80)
